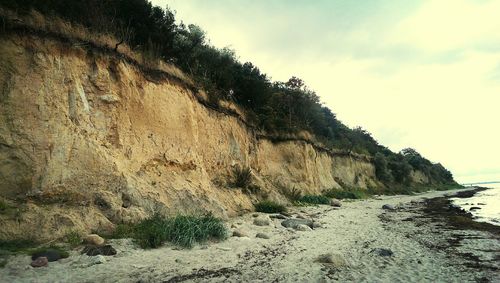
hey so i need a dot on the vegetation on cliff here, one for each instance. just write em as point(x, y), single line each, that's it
point(274, 107)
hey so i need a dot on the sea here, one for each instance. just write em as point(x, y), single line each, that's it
point(488, 202)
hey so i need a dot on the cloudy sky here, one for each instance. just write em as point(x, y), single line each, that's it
point(422, 74)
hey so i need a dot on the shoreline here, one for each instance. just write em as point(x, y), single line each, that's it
point(414, 242)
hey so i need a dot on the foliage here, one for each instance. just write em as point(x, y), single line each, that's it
point(180, 230)
point(242, 177)
point(18, 245)
point(347, 193)
point(314, 199)
point(293, 194)
point(268, 206)
point(73, 238)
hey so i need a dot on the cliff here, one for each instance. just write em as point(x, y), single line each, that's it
point(89, 140)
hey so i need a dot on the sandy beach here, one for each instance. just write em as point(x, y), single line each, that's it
point(358, 242)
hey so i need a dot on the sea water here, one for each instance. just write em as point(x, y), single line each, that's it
point(488, 201)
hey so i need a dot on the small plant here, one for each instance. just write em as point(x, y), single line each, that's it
point(180, 230)
point(346, 194)
point(314, 199)
point(3, 206)
point(242, 177)
point(292, 194)
point(268, 206)
point(73, 238)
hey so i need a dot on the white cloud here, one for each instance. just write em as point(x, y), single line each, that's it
point(445, 25)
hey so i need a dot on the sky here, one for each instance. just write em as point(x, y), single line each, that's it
point(422, 74)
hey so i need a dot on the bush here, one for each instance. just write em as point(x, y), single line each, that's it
point(242, 177)
point(292, 194)
point(314, 199)
point(180, 230)
point(268, 206)
point(73, 238)
point(346, 194)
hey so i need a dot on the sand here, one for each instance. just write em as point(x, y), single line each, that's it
point(423, 250)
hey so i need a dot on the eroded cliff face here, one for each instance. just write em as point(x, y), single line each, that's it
point(87, 141)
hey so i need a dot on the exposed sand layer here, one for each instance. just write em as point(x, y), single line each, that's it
point(423, 251)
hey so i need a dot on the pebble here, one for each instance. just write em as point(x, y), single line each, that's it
point(335, 260)
point(96, 250)
point(278, 216)
point(387, 207)
point(40, 262)
point(292, 223)
point(98, 259)
point(262, 236)
point(224, 249)
point(335, 203)
point(382, 252)
point(302, 227)
point(239, 233)
point(50, 254)
point(94, 239)
point(261, 222)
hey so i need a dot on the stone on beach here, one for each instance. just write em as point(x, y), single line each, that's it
point(99, 250)
point(382, 252)
point(474, 208)
point(239, 233)
point(98, 259)
point(50, 254)
point(335, 203)
point(277, 216)
point(261, 221)
point(335, 260)
point(262, 236)
point(388, 207)
point(302, 227)
point(292, 223)
point(94, 239)
point(40, 262)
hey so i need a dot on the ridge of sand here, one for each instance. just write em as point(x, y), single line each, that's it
point(353, 233)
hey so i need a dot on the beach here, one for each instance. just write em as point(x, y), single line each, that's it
point(409, 241)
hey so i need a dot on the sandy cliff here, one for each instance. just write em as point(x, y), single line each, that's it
point(87, 140)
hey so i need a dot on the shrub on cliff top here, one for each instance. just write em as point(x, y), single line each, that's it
point(268, 206)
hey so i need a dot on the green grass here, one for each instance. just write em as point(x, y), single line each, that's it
point(347, 193)
point(3, 206)
point(314, 199)
point(181, 230)
point(242, 177)
point(16, 246)
point(268, 206)
point(73, 238)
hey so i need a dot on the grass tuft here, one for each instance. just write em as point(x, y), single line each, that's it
point(181, 230)
point(314, 199)
point(346, 194)
point(73, 238)
point(242, 177)
point(268, 206)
